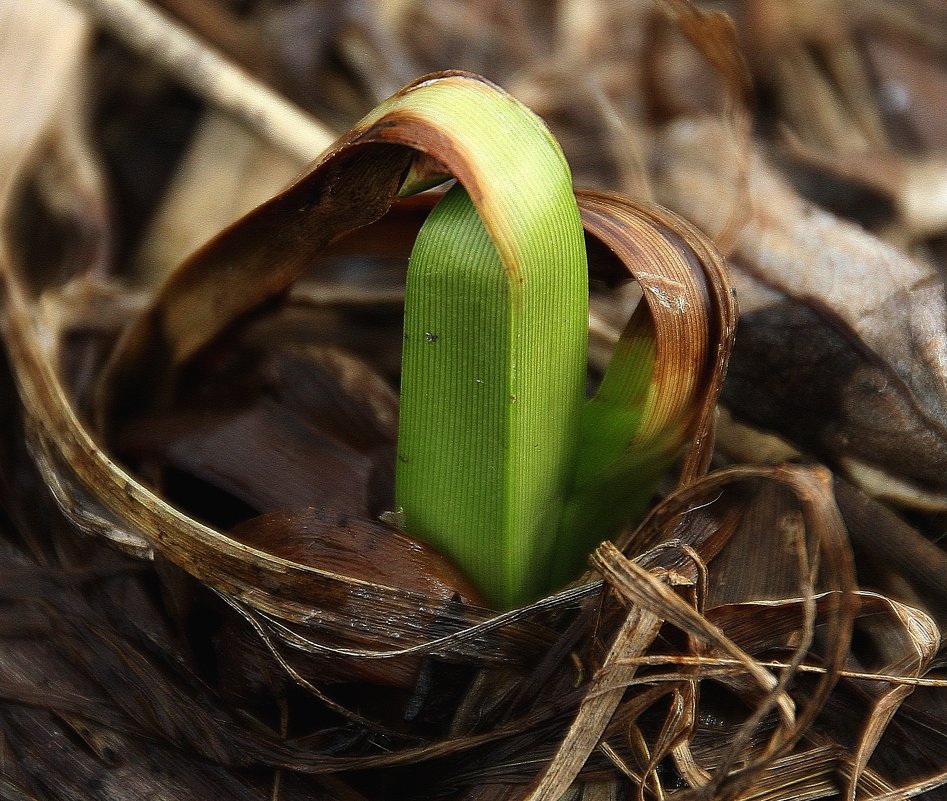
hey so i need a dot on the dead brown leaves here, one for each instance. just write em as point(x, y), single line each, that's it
point(723, 649)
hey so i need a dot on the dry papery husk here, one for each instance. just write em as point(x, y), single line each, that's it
point(708, 652)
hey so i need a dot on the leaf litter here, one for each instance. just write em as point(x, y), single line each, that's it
point(723, 648)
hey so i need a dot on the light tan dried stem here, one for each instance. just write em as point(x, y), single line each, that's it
point(212, 76)
point(721, 666)
point(913, 790)
point(218, 25)
point(635, 635)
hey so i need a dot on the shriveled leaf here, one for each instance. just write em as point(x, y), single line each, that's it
point(660, 387)
point(842, 346)
point(339, 542)
point(234, 274)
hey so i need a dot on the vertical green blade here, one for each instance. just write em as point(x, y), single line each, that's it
point(493, 375)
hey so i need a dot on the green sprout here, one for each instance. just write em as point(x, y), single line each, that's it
point(502, 462)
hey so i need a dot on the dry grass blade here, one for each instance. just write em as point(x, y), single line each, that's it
point(821, 521)
point(636, 634)
point(663, 585)
point(912, 790)
point(914, 642)
point(642, 588)
point(923, 642)
point(658, 394)
point(692, 307)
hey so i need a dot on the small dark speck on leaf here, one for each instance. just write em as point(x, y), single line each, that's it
point(430, 337)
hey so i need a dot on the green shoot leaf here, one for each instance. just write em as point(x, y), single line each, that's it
point(493, 374)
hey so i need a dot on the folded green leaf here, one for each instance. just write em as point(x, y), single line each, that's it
point(493, 373)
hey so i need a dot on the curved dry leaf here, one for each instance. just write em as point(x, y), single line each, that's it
point(102, 499)
point(842, 345)
point(923, 641)
point(338, 542)
point(692, 309)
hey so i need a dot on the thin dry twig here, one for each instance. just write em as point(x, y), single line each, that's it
point(212, 76)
